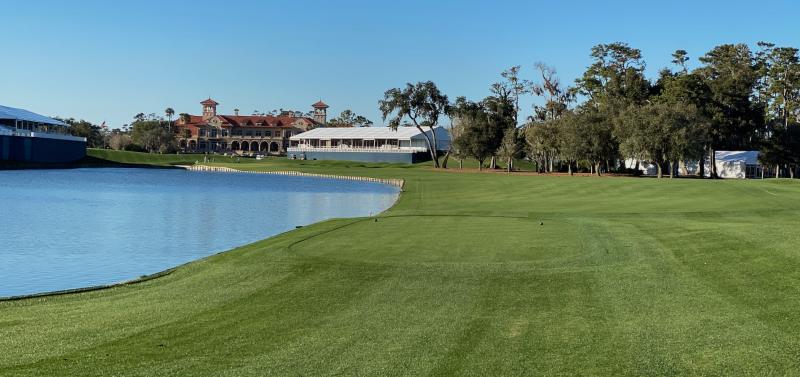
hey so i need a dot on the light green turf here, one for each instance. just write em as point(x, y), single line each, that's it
point(626, 276)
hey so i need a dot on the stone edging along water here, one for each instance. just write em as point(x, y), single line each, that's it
point(392, 182)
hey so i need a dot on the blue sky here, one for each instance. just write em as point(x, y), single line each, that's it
point(108, 60)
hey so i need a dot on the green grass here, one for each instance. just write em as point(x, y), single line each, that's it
point(123, 157)
point(626, 276)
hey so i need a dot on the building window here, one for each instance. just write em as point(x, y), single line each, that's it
point(214, 133)
point(237, 132)
point(248, 133)
point(201, 132)
point(224, 133)
point(258, 133)
point(277, 134)
point(268, 133)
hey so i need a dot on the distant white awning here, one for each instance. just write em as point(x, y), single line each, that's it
point(748, 157)
point(369, 133)
point(25, 115)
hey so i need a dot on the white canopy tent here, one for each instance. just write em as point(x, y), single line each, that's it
point(730, 164)
point(16, 114)
point(737, 164)
point(361, 138)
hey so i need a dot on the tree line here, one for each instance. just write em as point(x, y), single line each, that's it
point(735, 99)
point(146, 133)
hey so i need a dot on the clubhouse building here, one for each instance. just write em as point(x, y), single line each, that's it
point(30, 137)
point(371, 144)
point(243, 134)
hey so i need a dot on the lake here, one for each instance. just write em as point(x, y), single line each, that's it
point(62, 229)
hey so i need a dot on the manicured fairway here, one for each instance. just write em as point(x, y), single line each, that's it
point(469, 274)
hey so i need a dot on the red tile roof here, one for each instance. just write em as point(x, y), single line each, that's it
point(209, 102)
point(194, 119)
point(320, 105)
point(252, 121)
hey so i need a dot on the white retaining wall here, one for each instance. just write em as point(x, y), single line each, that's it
point(393, 182)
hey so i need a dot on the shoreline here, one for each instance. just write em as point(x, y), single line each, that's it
point(399, 183)
point(62, 292)
point(82, 164)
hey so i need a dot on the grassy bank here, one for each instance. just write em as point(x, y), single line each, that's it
point(468, 274)
point(110, 158)
point(135, 158)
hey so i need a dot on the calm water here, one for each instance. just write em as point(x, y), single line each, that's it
point(63, 229)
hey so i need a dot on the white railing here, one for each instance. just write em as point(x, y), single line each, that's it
point(47, 135)
point(303, 148)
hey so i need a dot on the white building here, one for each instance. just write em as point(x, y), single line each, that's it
point(730, 164)
point(737, 164)
point(373, 144)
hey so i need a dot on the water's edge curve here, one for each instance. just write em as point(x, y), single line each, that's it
point(399, 183)
point(392, 182)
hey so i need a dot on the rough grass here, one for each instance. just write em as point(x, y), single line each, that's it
point(469, 274)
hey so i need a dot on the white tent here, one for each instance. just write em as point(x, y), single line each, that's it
point(730, 164)
point(25, 115)
point(404, 137)
point(737, 164)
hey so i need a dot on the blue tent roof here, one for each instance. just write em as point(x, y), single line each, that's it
point(20, 114)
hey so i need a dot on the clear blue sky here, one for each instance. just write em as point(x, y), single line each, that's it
point(108, 60)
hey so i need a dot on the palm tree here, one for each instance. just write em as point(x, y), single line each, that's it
point(169, 112)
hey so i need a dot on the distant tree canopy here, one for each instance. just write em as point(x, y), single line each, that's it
point(735, 99)
point(349, 119)
point(482, 126)
point(153, 136)
point(119, 141)
point(423, 104)
point(94, 134)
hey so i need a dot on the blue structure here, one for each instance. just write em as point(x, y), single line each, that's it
point(29, 137)
point(405, 145)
